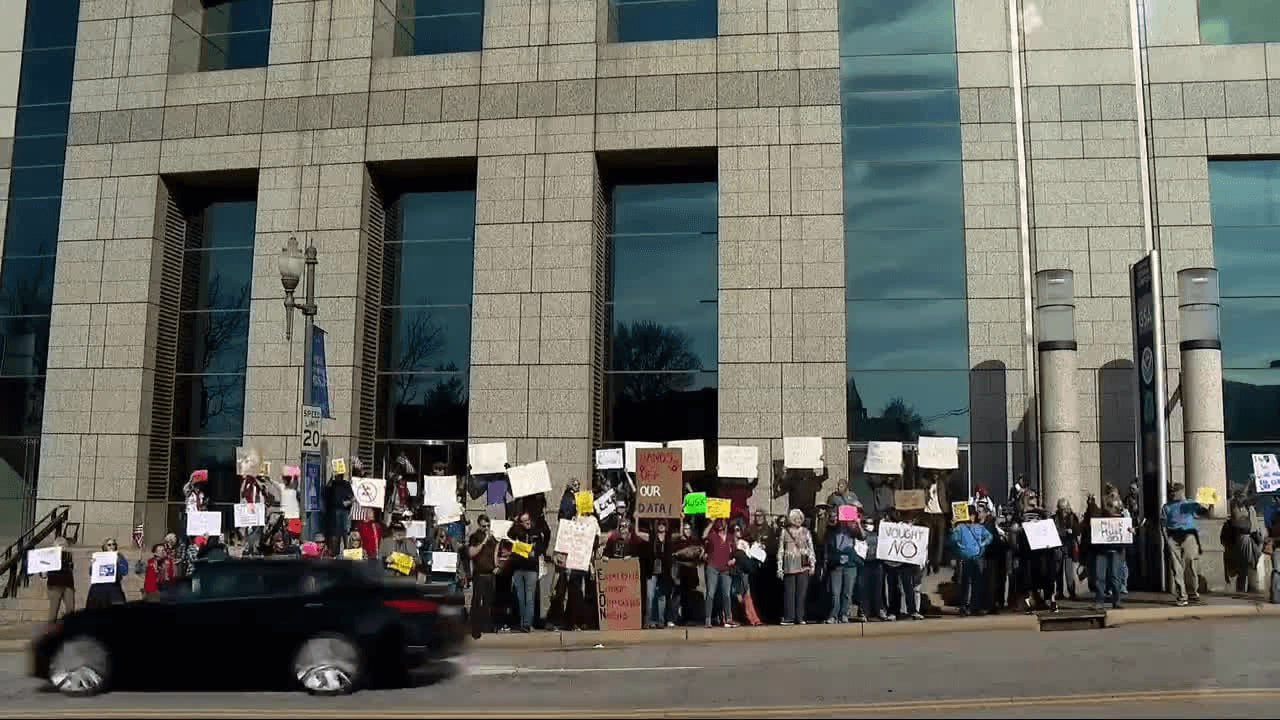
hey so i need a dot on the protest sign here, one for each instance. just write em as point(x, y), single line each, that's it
point(692, 457)
point(604, 505)
point(1111, 531)
point(658, 482)
point(339, 466)
point(804, 453)
point(250, 515)
point(416, 529)
point(960, 512)
point(695, 503)
point(353, 554)
point(1266, 472)
point(439, 490)
point(899, 542)
point(610, 459)
point(618, 587)
point(44, 560)
point(585, 501)
point(203, 522)
point(442, 562)
point(738, 461)
point(718, 508)
point(909, 499)
point(1042, 534)
point(446, 514)
point(938, 453)
point(103, 568)
point(1207, 496)
point(523, 549)
point(848, 513)
point(400, 562)
point(499, 528)
point(370, 492)
point(758, 552)
point(487, 458)
point(883, 458)
point(629, 451)
point(529, 479)
point(576, 539)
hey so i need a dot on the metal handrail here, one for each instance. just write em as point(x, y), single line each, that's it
point(13, 559)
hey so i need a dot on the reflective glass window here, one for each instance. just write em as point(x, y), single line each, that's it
point(208, 406)
point(39, 150)
point(899, 73)
point(432, 27)
point(216, 341)
point(659, 406)
point(1247, 340)
point(223, 278)
point(47, 24)
point(42, 120)
point(237, 34)
point(23, 400)
point(1248, 260)
point(24, 345)
point(904, 143)
point(36, 182)
point(900, 106)
point(903, 195)
point(216, 456)
point(26, 286)
point(1245, 193)
point(902, 405)
point(426, 339)
point(423, 405)
point(45, 78)
point(905, 263)
point(643, 20)
point(1251, 401)
point(32, 227)
point(1240, 463)
point(907, 335)
point(876, 27)
point(1225, 22)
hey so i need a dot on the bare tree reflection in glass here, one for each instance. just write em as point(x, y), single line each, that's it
point(652, 351)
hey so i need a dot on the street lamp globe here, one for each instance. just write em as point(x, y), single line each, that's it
point(290, 265)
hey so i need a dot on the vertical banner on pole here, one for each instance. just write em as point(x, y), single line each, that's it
point(319, 373)
point(312, 482)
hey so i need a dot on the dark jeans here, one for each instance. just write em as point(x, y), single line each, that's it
point(795, 591)
point(843, 580)
point(973, 575)
point(872, 588)
point(568, 600)
point(937, 525)
point(658, 594)
point(1106, 573)
point(902, 585)
point(717, 586)
point(524, 584)
point(482, 604)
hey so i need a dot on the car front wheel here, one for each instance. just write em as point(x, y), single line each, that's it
point(80, 668)
point(328, 665)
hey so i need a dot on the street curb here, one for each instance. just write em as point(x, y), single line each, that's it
point(1133, 616)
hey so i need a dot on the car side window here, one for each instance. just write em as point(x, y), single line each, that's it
point(215, 583)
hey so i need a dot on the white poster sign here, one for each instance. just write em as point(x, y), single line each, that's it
point(693, 457)
point(416, 529)
point(629, 449)
point(1111, 531)
point(444, 562)
point(803, 453)
point(529, 479)
point(446, 514)
point(1042, 534)
point(44, 560)
point(1266, 472)
point(103, 569)
point(576, 539)
point(883, 458)
point(610, 459)
point(439, 490)
point(370, 492)
point(605, 505)
point(738, 461)
point(250, 515)
point(938, 453)
point(500, 528)
point(899, 542)
point(204, 522)
point(487, 458)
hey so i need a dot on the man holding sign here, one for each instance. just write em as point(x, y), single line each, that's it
point(528, 545)
point(1182, 542)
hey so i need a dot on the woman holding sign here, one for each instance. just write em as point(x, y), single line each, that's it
point(107, 571)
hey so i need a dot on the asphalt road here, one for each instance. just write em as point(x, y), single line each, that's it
point(1190, 669)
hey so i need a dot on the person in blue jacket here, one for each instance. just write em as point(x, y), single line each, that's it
point(970, 540)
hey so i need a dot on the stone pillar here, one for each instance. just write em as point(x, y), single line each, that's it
point(1060, 426)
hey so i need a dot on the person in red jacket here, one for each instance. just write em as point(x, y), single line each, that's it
point(160, 570)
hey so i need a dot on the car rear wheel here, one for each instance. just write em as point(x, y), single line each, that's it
point(80, 668)
point(328, 665)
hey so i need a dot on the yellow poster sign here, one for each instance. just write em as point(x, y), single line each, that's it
point(585, 501)
point(718, 508)
point(339, 466)
point(400, 562)
point(960, 512)
point(353, 554)
point(1207, 496)
point(521, 548)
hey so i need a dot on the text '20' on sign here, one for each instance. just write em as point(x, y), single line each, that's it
point(312, 428)
point(659, 486)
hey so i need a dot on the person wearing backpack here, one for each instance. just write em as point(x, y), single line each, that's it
point(1182, 542)
point(970, 540)
point(1243, 541)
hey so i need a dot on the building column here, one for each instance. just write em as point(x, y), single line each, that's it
point(1203, 424)
point(1059, 398)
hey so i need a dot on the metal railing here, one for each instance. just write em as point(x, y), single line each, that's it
point(13, 560)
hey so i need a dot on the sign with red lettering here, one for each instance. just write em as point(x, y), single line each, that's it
point(618, 590)
point(659, 485)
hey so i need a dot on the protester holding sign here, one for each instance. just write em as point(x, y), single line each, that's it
point(843, 566)
point(339, 499)
point(1107, 550)
point(1068, 524)
point(483, 551)
point(398, 544)
point(936, 503)
point(159, 570)
point(524, 566)
point(1037, 566)
point(971, 540)
point(687, 558)
point(1242, 538)
point(1182, 542)
point(657, 570)
point(718, 588)
point(106, 573)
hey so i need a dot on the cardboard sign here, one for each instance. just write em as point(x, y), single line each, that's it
point(738, 461)
point(416, 529)
point(586, 502)
point(938, 453)
point(44, 560)
point(804, 453)
point(909, 499)
point(1266, 472)
point(370, 492)
point(848, 513)
point(103, 569)
point(695, 503)
point(718, 508)
point(960, 512)
point(658, 482)
point(250, 515)
point(530, 479)
point(576, 539)
point(400, 562)
point(899, 542)
point(353, 554)
point(487, 458)
point(444, 562)
point(883, 458)
point(339, 466)
point(618, 586)
point(629, 452)
point(1111, 531)
point(204, 522)
point(1207, 496)
point(1042, 534)
point(522, 549)
point(692, 456)
point(610, 459)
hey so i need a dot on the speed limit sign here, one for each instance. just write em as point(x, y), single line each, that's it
point(312, 417)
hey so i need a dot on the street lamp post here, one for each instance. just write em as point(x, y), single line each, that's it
point(293, 264)
point(1059, 402)
point(1200, 346)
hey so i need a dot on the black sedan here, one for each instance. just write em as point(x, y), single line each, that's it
point(329, 627)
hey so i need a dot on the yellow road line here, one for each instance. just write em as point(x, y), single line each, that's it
point(766, 711)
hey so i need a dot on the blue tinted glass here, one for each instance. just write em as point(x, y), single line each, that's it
point(674, 269)
point(237, 35)
point(443, 26)
point(426, 339)
point(32, 182)
point(904, 405)
point(905, 263)
point(230, 224)
point(1248, 260)
point(32, 227)
point(214, 341)
point(652, 406)
point(903, 106)
point(902, 142)
point(23, 400)
point(1251, 401)
point(1238, 21)
point(876, 27)
point(1246, 342)
point(1245, 192)
point(437, 215)
point(1240, 464)
point(889, 195)
point(901, 72)
point(24, 345)
point(216, 456)
point(640, 20)
point(224, 277)
point(46, 76)
point(646, 209)
point(46, 150)
point(423, 406)
point(50, 24)
point(26, 286)
point(664, 337)
point(208, 406)
point(429, 273)
point(907, 335)
point(43, 120)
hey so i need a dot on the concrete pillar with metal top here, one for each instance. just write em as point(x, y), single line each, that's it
point(1200, 345)
point(1060, 474)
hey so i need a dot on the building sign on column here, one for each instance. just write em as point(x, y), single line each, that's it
point(1148, 359)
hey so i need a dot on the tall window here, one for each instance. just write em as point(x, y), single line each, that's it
point(641, 20)
point(30, 245)
point(213, 345)
point(433, 27)
point(232, 34)
point(1245, 201)
point(908, 343)
point(425, 356)
point(663, 353)
point(1224, 22)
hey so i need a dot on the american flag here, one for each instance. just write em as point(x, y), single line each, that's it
point(137, 535)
